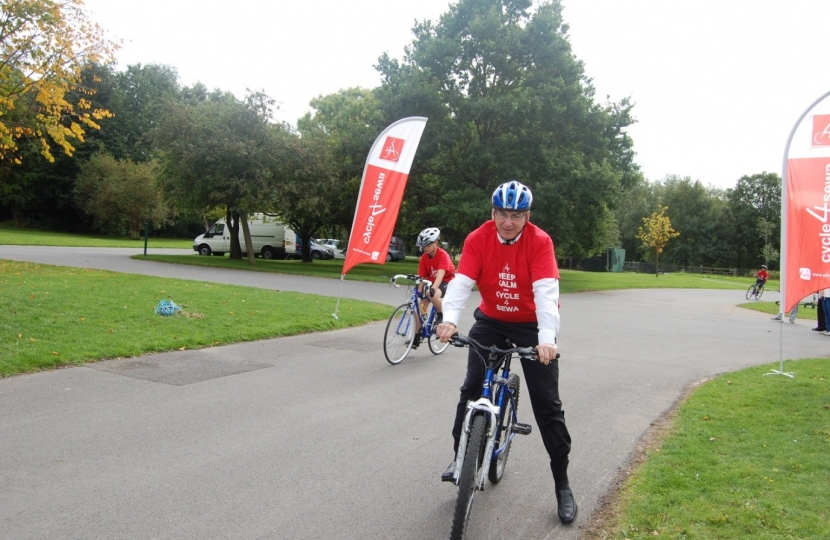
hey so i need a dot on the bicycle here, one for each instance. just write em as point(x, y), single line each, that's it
point(490, 425)
point(401, 328)
point(755, 290)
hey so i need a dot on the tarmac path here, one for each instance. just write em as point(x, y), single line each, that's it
point(317, 437)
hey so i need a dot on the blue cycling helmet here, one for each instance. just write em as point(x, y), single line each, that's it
point(512, 195)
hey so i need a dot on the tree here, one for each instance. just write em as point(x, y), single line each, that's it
point(768, 251)
point(350, 120)
point(634, 203)
point(754, 196)
point(657, 233)
point(120, 195)
point(44, 45)
point(506, 99)
point(309, 187)
point(698, 213)
point(139, 97)
point(220, 151)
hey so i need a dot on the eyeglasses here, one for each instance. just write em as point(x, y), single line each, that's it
point(512, 216)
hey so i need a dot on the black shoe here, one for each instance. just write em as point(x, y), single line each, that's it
point(449, 474)
point(415, 341)
point(566, 506)
point(817, 329)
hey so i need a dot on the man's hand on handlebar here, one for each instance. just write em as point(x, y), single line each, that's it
point(546, 352)
point(445, 331)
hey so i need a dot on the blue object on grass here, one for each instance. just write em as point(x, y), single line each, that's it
point(167, 307)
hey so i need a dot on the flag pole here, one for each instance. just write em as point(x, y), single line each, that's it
point(337, 305)
point(782, 277)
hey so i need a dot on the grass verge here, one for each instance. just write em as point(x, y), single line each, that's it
point(806, 313)
point(13, 236)
point(745, 457)
point(54, 316)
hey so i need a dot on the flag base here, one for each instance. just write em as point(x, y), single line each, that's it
point(777, 372)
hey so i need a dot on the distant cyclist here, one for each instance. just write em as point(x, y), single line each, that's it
point(761, 276)
point(436, 266)
point(512, 262)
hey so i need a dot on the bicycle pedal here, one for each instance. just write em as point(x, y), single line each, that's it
point(522, 429)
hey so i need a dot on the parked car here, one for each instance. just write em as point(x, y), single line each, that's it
point(334, 243)
point(397, 250)
point(318, 251)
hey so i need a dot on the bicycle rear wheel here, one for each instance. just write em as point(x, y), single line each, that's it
point(750, 291)
point(400, 330)
point(468, 481)
point(507, 419)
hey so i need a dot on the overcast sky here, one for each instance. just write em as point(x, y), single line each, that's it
point(717, 84)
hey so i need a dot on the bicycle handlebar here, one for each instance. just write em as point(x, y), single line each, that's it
point(460, 340)
point(412, 277)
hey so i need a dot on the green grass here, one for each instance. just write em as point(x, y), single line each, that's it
point(53, 316)
point(806, 313)
point(577, 281)
point(572, 280)
point(746, 458)
point(30, 237)
point(319, 268)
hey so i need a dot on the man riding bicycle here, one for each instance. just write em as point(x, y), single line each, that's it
point(436, 266)
point(513, 263)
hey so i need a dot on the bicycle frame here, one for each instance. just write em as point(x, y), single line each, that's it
point(492, 406)
point(414, 305)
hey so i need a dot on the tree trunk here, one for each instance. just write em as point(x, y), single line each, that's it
point(657, 265)
point(232, 222)
point(249, 245)
point(306, 251)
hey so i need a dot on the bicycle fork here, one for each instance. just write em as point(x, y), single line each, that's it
point(487, 407)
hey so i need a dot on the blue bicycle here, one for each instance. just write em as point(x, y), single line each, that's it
point(409, 318)
point(489, 427)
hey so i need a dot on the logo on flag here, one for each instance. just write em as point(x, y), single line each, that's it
point(805, 274)
point(821, 130)
point(392, 149)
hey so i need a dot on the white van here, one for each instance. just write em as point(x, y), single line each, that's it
point(270, 238)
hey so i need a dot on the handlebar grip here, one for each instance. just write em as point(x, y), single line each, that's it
point(458, 340)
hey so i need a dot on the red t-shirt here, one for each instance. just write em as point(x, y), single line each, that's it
point(428, 266)
point(763, 274)
point(505, 273)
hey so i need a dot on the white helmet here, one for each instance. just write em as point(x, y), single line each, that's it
point(428, 236)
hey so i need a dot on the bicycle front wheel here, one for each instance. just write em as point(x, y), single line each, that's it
point(468, 481)
point(504, 434)
point(435, 344)
point(750, 292)
point(400, 330)
point(758, 292)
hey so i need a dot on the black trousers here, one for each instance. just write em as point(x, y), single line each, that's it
point(541, 383)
